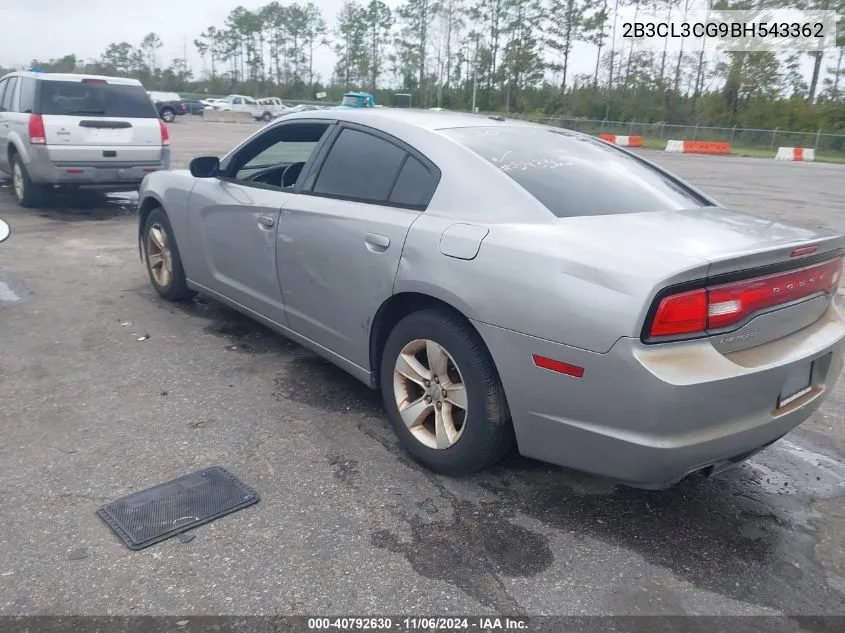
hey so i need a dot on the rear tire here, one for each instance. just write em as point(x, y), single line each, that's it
point(29, 194)
point(467, 374)
point(266, 117)
point(161, 255)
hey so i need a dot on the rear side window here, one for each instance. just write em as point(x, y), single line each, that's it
point(78, 98)
point(3, 84)
point(360, 166)
point(414, 186)
point(573, 175)
point(6, 103)
point(27, 95)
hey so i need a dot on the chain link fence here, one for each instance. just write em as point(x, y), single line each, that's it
point(750, 140)
point(656, 135)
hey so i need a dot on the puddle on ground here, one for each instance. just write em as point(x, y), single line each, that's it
point(7, 295)
point(70, 206)
point(12, 292)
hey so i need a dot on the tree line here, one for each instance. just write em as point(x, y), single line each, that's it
point(501, 55)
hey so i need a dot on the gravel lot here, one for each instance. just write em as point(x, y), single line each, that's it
point(346, 524)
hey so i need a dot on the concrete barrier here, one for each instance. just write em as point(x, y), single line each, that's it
point(698, 147)
point(228, 116)
point(804, 154)
point(623, 141)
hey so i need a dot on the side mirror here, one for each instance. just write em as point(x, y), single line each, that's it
point(4, 230)
point(204, 166)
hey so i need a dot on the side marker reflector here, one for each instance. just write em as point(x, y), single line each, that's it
point(556, 365)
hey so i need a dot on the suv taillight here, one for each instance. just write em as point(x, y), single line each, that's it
point(37, 135)
point(721, 306)
point(165, 135)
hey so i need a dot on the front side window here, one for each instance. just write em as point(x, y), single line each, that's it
point(93, 98)
point(574, 175)
point(279, 148)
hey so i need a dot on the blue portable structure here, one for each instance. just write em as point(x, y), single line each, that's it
point(357, 100)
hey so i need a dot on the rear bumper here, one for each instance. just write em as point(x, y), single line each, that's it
point(112, 174)
point(648, 415)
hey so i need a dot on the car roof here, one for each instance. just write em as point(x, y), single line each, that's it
point(76, 77)
point(425, 119)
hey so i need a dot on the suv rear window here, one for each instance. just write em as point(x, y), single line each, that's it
point(77, 98)
point(574, 175)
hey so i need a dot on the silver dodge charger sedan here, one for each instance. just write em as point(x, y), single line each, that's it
point(502, 281)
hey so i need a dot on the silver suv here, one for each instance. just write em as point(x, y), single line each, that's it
point(78, 131)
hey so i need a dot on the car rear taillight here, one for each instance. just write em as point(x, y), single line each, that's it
point(37, 135)
point(165, 135)
point(683, 313)
point(725, 305)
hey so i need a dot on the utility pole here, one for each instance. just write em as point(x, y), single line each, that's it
point(474, 74)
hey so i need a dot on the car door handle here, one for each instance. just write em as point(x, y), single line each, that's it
point(266, 221)
point(377, 243)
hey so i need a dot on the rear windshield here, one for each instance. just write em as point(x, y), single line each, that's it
point(573, 175)
point(76, 98)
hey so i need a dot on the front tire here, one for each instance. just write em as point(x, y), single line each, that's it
point(29, 194)
point(442, 394)
point(161, 255)
point(266, 117)
point(168, 115)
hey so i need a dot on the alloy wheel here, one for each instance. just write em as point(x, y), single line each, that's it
point(430, 393)
point(159, 257)
point(17, 181)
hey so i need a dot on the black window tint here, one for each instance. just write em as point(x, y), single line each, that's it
point(359, 166)
point(3, 84)
point(575, 175)
point(27, 95)
point(6, 104)
point(414, 185)
point(78, 98)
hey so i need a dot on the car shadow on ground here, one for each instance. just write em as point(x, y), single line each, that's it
point(80, 205)
point(748, 534)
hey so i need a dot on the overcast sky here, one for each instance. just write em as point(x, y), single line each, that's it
point(44, 29)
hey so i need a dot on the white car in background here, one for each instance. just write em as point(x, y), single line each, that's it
point(237, 103)
point(271, 108)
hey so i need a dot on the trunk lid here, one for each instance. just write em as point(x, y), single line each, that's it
point(728, 240)
point(737, 246)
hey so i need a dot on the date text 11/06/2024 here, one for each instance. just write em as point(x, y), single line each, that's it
point(481, 624)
